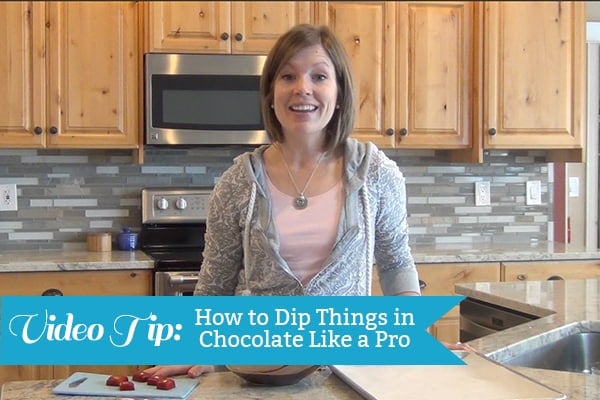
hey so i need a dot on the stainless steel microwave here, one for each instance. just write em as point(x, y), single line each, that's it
point(203, 99)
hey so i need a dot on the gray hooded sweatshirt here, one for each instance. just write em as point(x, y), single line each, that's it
point(241, 254)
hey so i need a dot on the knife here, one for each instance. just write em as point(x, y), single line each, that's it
point(77, 382)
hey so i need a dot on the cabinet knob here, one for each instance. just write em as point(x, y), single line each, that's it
point(52, 292)
point(224, 36)
point(38, 130)
point(389, 131)
point(522, 277)
point(422, 284)
point(239, 37)
point(492, 131)
point(556, 278)
point(403, 132)
point(53, 130)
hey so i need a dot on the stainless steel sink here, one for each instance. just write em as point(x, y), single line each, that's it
point(576, 350)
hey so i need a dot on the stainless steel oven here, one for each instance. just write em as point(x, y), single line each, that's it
point(173, 227)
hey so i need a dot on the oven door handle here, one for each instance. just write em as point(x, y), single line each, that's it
point(182, 278)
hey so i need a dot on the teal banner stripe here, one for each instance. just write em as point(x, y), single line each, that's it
point(291, 330)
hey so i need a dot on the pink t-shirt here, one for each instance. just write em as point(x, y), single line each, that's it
point(307, 236)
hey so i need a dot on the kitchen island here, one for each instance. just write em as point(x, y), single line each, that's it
point(557, 303)
point(321, 385)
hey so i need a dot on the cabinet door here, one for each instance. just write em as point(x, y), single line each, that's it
point(256, 25)
point(550, 270)
point(77, 283)
point(25, 373)
point(73, 283)
point(189, 26)
point(534, 68)
point(22, 74)
point(435, 74)
point(367, 30)
point(441, 278)
point(92, 74)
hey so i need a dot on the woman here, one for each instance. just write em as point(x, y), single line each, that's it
point(310, 213)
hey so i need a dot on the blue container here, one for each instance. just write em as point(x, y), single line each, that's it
point(127, 240)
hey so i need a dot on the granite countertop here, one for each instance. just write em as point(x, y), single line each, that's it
point(487, 252)
point(18, 261)
point(557, 303)
point(321, 385)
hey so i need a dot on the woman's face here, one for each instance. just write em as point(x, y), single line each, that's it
point(305, 92)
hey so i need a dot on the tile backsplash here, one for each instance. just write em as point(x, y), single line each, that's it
point(65, 194)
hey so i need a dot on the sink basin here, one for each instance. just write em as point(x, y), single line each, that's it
point(574, 349)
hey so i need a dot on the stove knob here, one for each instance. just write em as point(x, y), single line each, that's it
point(162, 204)
point(181, 204)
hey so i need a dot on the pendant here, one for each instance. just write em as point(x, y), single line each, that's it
point(300, 202)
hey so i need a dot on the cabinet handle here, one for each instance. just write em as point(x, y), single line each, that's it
point(38, 130)
point(224, 36)
point(522, 277)
point(389, 131)
point(492, 132)
point(239, 37)
point(556, 278)
point(422, 284)
point(52, 292)
point(403, 132)
point(53, 130)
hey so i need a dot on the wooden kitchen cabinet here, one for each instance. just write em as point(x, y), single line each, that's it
point(550, 270)
point(72, 283)
point(221, 27)
point(69, 74)
point(412, 62)
point(439, 280)
point(534, 76)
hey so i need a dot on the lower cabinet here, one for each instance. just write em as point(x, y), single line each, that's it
point(439, 280)
point(72, 283)
point(550, 270)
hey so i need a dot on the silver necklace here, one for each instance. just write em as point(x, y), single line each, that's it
point(300, 202)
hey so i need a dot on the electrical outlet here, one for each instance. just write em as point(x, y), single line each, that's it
point(8, 197)
point(482, 193)
point(533, 194)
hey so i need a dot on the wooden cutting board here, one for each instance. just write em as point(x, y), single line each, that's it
point(95, 385)
point(481, 379)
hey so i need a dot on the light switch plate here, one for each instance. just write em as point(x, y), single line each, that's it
point(533, 194)
point(573, 186)
point(8, 197)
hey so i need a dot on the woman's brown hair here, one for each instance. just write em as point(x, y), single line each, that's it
point(297, 38)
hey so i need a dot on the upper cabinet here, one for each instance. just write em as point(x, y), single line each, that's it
point(413, 66)
point(69, 74)
point(221, 27)
point(466, 76)
point(534, 75)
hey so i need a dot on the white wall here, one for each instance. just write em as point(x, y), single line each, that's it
point(593, 11)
